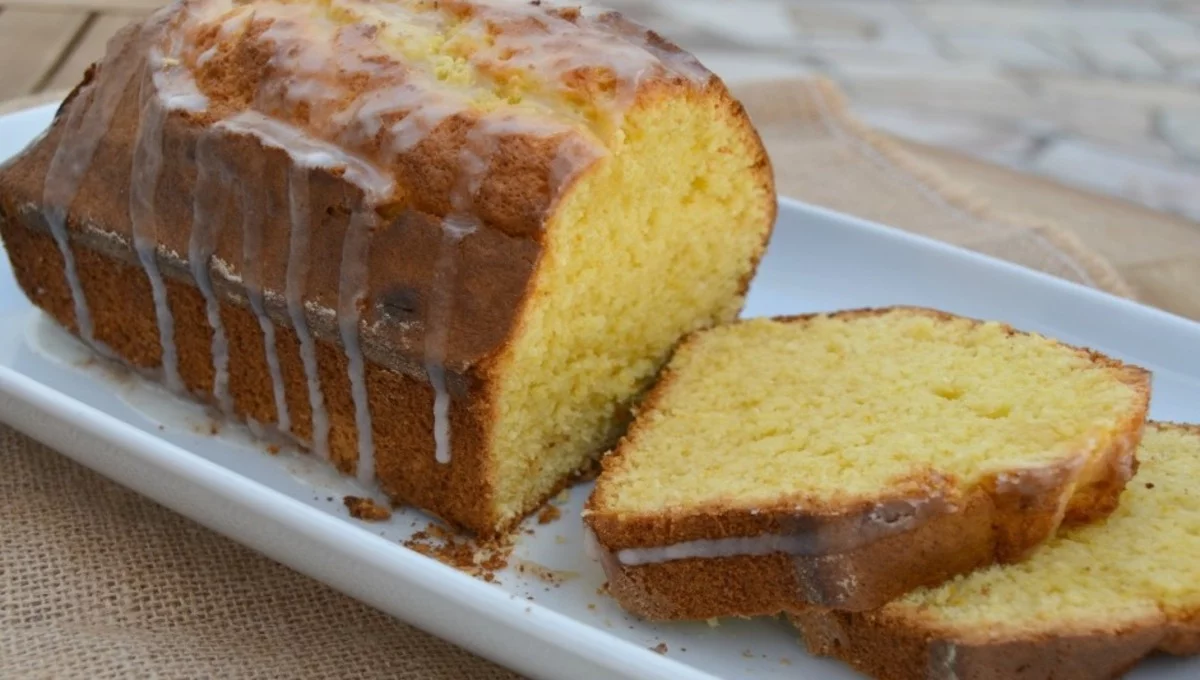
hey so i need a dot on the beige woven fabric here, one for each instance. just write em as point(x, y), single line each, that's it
point(96, 582)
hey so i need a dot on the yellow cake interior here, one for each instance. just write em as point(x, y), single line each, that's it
point(656, 243)
point(1143, 560)
point(842, 407)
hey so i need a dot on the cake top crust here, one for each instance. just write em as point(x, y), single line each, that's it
point(360, 84)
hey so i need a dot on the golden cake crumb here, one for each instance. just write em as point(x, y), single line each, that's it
point(548, 514)
point(661, 648)
point(365, 509)
point(479, 558)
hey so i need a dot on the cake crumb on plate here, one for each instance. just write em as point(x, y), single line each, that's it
point(366, 509)
point(548, 514)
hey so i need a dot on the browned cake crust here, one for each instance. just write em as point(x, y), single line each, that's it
point(890, 645)
point(496, 267)
point(849, 570)
point(896, 649)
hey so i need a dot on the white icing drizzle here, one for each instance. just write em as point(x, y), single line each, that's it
point(352, 289)
point(423, 108)
point(85, 127)
point(147, 168)
point(307, 152)
point(766, 544)
point(943, 661)
point(813, 537)
point(252, 266)
point(297, 277)
point(455, 228)
point(483, 143)
point(201, 246)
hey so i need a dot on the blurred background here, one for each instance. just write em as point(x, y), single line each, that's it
point(1098, 94)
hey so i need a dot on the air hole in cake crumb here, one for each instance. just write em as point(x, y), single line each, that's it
point(996, 412)
point(949, 392)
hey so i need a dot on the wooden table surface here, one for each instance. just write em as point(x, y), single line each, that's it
point(45, 46)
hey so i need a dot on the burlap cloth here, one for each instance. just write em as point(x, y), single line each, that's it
point(97, 582)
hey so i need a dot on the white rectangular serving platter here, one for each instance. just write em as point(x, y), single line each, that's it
point(817, 261)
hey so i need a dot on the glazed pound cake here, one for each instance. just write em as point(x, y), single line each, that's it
point(841, 460)
point(443, 244)
point(1088, 605)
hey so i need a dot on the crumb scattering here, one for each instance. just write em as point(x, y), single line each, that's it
point(366, 509)
point(555, 577)
point(273, 449)
point(661, 648)
point(481, 559)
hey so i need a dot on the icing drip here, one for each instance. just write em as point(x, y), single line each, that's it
point(352, 289)
point(147, 168)
point(297, 276)
point(84, 129)
point(455, 229)
point(482, 143)
point(943, 661)
point(307, 152)
point(807, 537)
point(252, 265)
point(201, 245)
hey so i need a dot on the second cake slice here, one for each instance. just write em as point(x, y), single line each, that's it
point(841, 460)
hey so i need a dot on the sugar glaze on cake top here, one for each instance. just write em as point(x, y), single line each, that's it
point(357, 87)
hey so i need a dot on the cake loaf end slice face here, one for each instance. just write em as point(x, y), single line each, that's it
point(444, 245)
point(1087, 605)
point(841, 460)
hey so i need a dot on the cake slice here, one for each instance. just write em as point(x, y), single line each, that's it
point(1087, 605)
point(444, 245)
point(841, 460)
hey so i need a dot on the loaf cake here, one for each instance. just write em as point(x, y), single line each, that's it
point(445, 245)
point(840, 460)
point(1087, 605)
